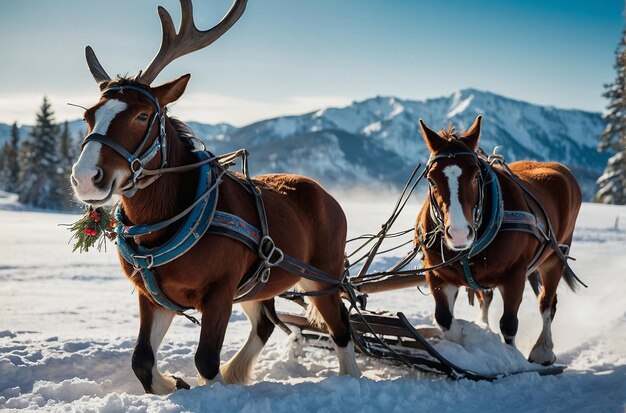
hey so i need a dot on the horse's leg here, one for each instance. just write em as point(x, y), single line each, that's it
point(512, 293)
point(551, 271)
point(485, 298)
point(154, 322)
point(445, 296)
point(216, 309)
point(334, 314)
point(239, 368)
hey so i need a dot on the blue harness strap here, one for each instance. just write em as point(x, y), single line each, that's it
point(494, 220)
point(499, 220)
point(194, 226)
point(469, 277)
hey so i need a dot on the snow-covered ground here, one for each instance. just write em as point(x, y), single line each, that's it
point(68, 324)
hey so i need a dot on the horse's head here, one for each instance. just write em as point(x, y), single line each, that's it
point(126, 128)
point(455, 185)
point(124, 135)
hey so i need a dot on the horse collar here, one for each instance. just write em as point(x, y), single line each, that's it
point(489, 228)
point(195, 224)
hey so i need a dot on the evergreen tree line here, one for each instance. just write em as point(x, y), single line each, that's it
point(612, 183)
point(38, 167)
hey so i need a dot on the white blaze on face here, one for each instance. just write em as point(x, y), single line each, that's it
point(86, 167)
point(457, 226)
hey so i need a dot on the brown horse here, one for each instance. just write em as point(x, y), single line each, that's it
point(453, 220)
point(302, 219)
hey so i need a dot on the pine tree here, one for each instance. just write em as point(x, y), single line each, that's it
point(9, 171)
point(66, 157)
point(64, 144)
point(39, 183)
point(612, 183)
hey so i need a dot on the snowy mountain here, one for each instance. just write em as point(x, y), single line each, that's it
point(377, 141)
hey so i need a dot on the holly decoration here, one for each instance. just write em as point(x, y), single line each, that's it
point(94, 228)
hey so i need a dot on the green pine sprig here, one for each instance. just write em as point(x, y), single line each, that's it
point(94, 228)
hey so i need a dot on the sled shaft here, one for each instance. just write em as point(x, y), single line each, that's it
point(391, 283)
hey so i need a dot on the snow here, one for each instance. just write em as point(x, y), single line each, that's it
point(68, 323)
point(458, 104)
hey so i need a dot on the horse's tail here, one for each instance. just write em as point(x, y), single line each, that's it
point(571, 279)
point(534, 279)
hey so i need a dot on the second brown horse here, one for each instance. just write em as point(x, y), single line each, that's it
point(456, 186)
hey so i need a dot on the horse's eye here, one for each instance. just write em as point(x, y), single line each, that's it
point(143, 117)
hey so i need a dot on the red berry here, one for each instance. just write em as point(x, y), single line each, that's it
point(94, 216)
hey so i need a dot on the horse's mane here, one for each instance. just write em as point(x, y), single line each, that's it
point(449, 133)
point(184, 132)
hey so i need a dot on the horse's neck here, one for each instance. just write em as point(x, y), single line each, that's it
point(167, 196)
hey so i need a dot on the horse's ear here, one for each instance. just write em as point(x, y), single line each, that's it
point(170, 92)
point(470, 136)
point(432, 139)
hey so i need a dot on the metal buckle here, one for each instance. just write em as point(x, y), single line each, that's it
point(265, 275)
point(269, 252)
point(149, 258)
point(138, 170)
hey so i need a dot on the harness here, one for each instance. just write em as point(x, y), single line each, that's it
point(194, 226)
point(200, 218)
point(498, 220)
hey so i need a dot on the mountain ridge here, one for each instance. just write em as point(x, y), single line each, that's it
point(377, 140)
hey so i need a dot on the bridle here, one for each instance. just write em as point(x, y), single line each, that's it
point(477, 211)
point(138, 159)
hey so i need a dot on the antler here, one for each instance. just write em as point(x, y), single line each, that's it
point(188, 39)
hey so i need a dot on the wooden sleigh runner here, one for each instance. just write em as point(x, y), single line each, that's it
point(395, 339)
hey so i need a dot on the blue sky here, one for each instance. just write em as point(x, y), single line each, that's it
point(293, 56)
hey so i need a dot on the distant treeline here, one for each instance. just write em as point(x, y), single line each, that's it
point(38, 167)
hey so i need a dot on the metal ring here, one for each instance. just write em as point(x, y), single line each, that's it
point(274, 255)
point(265, 276)
point(133, 163)
point(149, 259)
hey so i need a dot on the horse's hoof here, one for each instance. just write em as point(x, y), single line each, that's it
point(542, 355)
point(181, 384)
